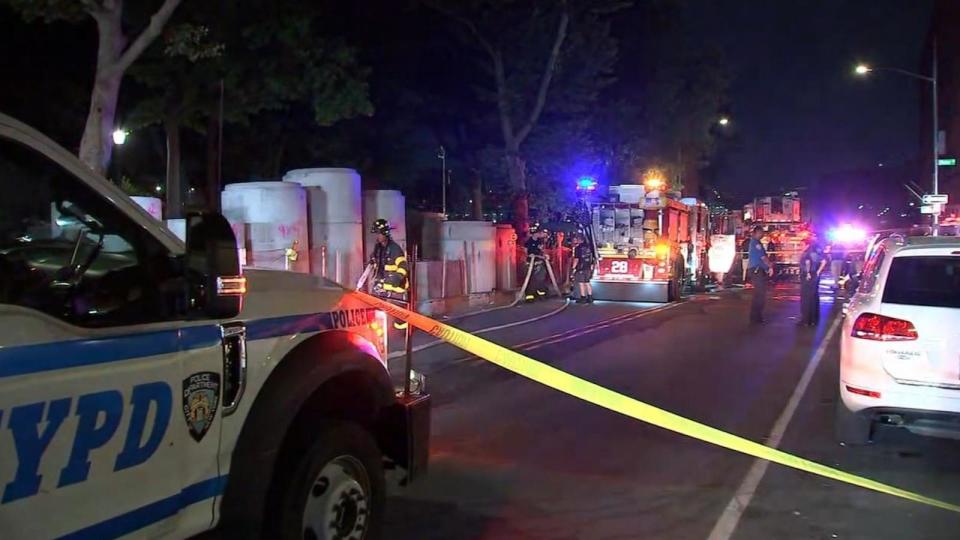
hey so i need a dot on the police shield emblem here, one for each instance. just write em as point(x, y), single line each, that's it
point(201, 396)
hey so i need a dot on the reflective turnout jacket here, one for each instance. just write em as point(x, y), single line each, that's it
point(533, 246)
point(391, 267)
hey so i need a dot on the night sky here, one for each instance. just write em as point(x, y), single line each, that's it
point(799, 110)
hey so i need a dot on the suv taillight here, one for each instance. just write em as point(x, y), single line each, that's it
point(883, 328)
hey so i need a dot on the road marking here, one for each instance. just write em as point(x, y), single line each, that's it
point(418, 348)
point(579, 332)
point(727, 524)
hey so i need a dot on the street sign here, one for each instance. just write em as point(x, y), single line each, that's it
point(947, 162)
point(934, 199)
point(931, 209)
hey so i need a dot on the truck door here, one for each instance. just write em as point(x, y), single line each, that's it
point(213, 376)
point(94, 441)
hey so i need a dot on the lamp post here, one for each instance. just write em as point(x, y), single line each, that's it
point(119, 137)
point(864, 69)
point(442, 156)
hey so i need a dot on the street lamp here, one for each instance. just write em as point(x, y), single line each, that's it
point(723, 121)
point(120, 136)
point(863, 69)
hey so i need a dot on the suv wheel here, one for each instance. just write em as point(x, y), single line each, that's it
point(335, 491)
point(851, 429)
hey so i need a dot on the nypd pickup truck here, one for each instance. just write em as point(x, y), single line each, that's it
point(150, 389)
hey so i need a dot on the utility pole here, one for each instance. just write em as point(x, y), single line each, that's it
point(936, 140)
point(864, 69)
point(442, 155)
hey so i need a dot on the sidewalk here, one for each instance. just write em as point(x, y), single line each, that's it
point(459, 306)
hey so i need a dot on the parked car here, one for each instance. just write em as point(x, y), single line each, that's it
point(900, 347)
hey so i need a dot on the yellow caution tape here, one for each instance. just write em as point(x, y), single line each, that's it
point(628, 406)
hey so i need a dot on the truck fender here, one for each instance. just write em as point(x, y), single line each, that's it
point(292, 385)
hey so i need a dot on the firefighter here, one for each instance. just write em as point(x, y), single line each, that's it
point(537, 287)
point(759, 270)
point(812, 264)
point(582, 266)
point(390, 266)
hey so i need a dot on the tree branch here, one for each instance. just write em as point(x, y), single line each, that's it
point(546, 79)
point(96, 9)
point(468, 24)
point(503, 101)
point(146, 37)
point(496, 58)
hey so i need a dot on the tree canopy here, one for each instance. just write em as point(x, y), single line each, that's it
point(524, 95)
point(267, 58)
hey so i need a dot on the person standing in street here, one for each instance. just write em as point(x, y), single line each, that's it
point(390, 267)
point(759, 272)
point(836, 266)
point(537, 287)
point(582, 266)
point(812, 264)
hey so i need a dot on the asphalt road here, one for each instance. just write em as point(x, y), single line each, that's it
point(512, 459)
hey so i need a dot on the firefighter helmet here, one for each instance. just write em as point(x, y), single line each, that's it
point(381, 226)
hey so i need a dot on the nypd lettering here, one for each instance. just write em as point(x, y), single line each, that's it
point(346, 318)
point(201, 396)
point(99, 414)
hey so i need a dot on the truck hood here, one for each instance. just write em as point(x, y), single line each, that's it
point(276, 293)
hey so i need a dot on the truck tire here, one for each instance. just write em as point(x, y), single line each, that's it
point(851, 429)
point(335, 490)
point(675, 288)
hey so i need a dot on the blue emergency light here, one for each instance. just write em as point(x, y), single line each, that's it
point(586, 183)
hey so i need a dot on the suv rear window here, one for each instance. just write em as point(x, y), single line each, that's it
point(924, 281)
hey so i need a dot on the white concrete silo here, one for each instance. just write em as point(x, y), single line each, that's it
point(335, 224)
point(152, 205)
point(273, 216)
point(475, 243)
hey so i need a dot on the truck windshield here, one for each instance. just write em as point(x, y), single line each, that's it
point(924, 281)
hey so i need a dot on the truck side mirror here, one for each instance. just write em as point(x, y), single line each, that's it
point(213, 267)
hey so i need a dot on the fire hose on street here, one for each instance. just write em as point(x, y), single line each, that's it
point(603, 397)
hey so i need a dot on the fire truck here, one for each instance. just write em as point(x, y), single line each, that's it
point(785, 231)
point(641, 240)
point(695, 252)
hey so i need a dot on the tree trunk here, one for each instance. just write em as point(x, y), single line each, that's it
point(213, 163)
point(277, 156)
point(517, 171)
point(521, 219)
point(112, 61)
point(174, 186)
point(97, 141)
point(96, 144)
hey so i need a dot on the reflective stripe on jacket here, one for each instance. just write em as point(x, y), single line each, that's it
point(391, 267)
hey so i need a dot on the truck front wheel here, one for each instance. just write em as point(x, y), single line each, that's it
point(336, 488)
point(676, 284)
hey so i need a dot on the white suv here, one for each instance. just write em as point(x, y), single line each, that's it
point(900, 347)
